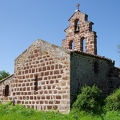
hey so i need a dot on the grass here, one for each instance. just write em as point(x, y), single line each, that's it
point(19, 112)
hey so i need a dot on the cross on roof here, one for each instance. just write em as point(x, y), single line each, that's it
point(78, 5)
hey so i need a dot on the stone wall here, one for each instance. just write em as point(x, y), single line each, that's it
point(41, 77)
point(48, 77)
point(3, 84)
point(114, 79)
point(82, 72)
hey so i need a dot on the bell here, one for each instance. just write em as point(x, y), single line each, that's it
point(77, 29)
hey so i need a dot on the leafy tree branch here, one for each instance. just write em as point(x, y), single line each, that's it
point(3, 74)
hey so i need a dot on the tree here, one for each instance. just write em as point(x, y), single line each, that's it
point(3, 74)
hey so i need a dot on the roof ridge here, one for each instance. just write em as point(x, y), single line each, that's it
point(6, 77)
point(98, 56)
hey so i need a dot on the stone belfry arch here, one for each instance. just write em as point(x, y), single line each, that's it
point(80, 31)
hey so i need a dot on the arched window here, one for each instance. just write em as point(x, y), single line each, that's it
point(77, 25)
point(95, 67)
point(71, 45)
point(7, 90)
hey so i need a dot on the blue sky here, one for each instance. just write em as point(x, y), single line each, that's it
point(24, 21)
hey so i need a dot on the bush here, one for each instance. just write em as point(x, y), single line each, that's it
point(88, 99)
point(112, 102)
point(112, 115)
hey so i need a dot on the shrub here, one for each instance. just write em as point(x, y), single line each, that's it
point(112, 102)
point(112, 115)
point(88, 99)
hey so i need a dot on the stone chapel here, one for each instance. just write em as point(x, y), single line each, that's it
point(47, 76)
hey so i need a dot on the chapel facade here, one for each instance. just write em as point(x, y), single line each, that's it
point(48, 77)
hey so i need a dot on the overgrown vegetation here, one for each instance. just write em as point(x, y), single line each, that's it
point(86, 107)
point(18, 112)
point(89, 99)
point(112, 102)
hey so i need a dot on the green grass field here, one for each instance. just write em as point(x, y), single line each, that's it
point(18, 112)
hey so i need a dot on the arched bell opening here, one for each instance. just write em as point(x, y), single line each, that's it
point(83, 45)
point(77, 25)
point(71, 45)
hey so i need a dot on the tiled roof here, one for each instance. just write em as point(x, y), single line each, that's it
point(92, 55)
point(6, 78)
point(117, 68)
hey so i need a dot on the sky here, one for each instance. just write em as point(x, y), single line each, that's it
point(24, 21)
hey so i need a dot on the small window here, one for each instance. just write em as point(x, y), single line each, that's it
point(95, 67)
point(36, 83)
point(7, 90)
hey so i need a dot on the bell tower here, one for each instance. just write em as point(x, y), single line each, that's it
point(79, 34)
